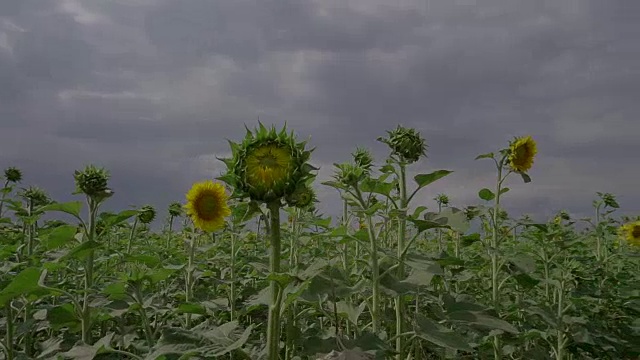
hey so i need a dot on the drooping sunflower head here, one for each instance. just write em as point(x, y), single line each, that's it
point(175, 209)
point(630, 232)
point(207, 205)
point(268, 165)
point(146, 214)
point(522, 150)
point(406, 143)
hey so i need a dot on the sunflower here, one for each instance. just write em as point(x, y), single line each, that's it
point(207, 205)
point(521, 153)
point(631, 233)
point(267, 166)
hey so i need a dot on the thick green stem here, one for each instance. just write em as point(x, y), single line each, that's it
point(189, 280)
point(4, 194)
point(88, 275)
point(273, 322)
point(598, 239)
point(170, 234)
point(131, 235)
point(145, 319)
point(375, 269)
point(560, 330)
point(495, 296)
point(232, 287)
point(402, 223)
point(9, 338)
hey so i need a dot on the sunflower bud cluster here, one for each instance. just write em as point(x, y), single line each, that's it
point(406, 143)
point(146, 214)
point(93, 182)
point(267, 165)
point(13, 174)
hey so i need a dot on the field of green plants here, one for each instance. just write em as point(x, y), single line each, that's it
point(256, 272)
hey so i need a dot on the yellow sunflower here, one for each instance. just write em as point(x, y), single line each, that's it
point(521, 153)
point(268, 165)
point(631, 233)
point(207, 205)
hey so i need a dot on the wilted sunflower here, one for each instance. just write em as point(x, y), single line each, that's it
point(207, 205)
point(521, 153)
point(631, 233)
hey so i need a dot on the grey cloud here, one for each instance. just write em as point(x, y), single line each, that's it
point(151, 89)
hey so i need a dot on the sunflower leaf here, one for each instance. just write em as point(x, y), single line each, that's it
point(486, 194)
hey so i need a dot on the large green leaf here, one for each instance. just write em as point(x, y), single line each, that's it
point(425, 179)
point(72, 208)
point(432, 332)
point(483, 320)
point(22, 284)
point(59, 236)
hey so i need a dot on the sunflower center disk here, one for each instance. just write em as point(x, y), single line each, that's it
point(268, 166)
point(207, 206)
point(635, 233)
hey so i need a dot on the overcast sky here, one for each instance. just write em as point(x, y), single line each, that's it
point(151, 89)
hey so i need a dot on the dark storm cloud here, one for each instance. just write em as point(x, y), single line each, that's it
point(152, 88)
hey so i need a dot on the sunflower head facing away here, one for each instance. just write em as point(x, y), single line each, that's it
point(522, 150)
point(267, 165)
point(207, 205)
point(630, 232)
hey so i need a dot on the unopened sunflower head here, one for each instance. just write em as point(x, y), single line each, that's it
point(93, 182)
point(302, 198)
point(36, 196)
point(268, 165)
point(146, 214)
point(522, 151)
point(207, 205)
point(175, 209)
point(349, 174)
point(630, 232)
point(13, 174)
point(442, 199)
point(406, 143)
point(362, 158)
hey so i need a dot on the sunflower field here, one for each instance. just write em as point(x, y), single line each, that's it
point(247, 268)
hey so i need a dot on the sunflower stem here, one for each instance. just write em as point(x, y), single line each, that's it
point(402, 223)
point(495, 296)
point(131, 235)
point(88, 275)
point(273, 325)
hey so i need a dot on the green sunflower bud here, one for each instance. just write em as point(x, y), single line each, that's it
point(442, 199)
point(175, 209)
point(349, 174)
point(147, 214)
point(363, 159)
point(302, 198)
point(13, 174)
point(405, 143)
point(267, 165)
point(36, 195)
point(92, 182)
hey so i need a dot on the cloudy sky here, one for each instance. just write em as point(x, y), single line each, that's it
point(150, 89)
